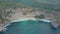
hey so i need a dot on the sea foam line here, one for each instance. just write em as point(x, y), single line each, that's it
point(23, 19)
point(5, 27)
point(44, 20)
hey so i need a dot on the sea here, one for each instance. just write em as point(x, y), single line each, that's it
point(31, 27)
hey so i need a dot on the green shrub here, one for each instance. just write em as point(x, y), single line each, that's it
point(24, 13)
point(41, 16)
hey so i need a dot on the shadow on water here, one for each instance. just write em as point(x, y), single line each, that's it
point(31, 27)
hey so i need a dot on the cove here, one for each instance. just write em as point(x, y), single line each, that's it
point(31, 27)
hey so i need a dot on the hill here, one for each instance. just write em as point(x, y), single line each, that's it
point(43, 4)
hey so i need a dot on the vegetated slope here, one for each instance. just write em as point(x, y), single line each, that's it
point(43, 4)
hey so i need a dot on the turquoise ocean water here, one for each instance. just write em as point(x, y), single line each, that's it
point(31, 27)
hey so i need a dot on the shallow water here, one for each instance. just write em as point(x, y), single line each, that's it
point(30, 27)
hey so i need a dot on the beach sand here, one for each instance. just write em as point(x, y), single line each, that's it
point(19, 15)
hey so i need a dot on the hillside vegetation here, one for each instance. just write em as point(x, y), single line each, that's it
point(43, 4)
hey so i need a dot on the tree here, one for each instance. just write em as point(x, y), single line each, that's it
point(24, 13)
point(41, 16)
point(4, 14)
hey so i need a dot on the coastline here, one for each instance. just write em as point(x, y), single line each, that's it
point(5, 26)
point(22, 19)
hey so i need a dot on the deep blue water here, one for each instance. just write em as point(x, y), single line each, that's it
point(31, 27)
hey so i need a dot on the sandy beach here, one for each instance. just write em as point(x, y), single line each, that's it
point(20, 16)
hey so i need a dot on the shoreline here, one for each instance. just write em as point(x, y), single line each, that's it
point(44, 20)
point(5, 26)
point(23, 19)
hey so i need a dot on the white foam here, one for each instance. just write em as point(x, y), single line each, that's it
point(5, 27)
point(23, 19)
point(45, 20)
point(31, 19)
